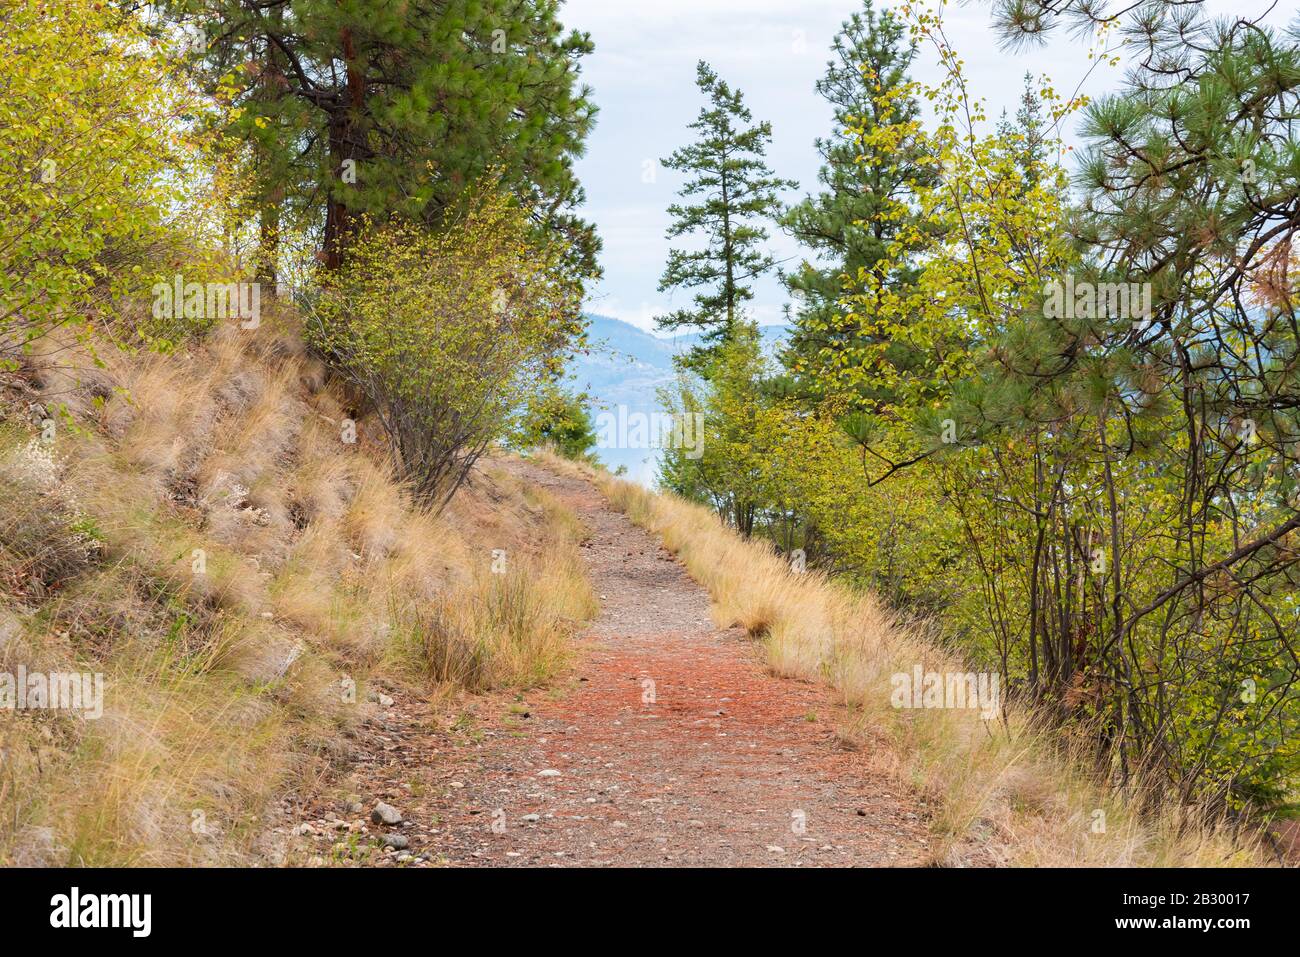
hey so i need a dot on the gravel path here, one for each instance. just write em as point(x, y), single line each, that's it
point(669, 745)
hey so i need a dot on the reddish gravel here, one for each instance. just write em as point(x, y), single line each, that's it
point(674, 746)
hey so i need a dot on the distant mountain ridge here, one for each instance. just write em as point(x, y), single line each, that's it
point(626, 367)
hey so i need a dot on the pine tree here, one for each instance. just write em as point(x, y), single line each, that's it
point(379, 108)
point(865, 83)
point(734, 191)
point(1026, 137)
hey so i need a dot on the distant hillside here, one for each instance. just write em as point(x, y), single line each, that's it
point(625, 368)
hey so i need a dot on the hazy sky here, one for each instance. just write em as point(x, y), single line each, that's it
point(643, 77)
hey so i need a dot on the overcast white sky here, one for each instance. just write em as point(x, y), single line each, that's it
point(643, 77)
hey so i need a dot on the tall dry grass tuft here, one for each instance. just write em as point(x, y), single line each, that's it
point(201, 530)
point(510, 625)
point(1001, 791)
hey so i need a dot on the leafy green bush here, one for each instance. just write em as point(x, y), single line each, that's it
point(447, 334)
point(97, 129)
point(559, 419)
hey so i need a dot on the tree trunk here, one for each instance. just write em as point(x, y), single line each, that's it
point(269, 240)
point(347, 140)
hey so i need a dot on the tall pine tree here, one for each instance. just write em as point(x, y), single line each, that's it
point(866, 85)
point(1027, 135)
point(385, 108)
point(733, 192)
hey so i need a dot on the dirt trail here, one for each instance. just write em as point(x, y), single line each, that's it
point(672, 744)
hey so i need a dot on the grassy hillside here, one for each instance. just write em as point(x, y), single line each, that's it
point(200, 529)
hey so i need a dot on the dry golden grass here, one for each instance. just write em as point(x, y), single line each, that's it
point(201, 533)
point(510, 623)
point(1000, 792)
